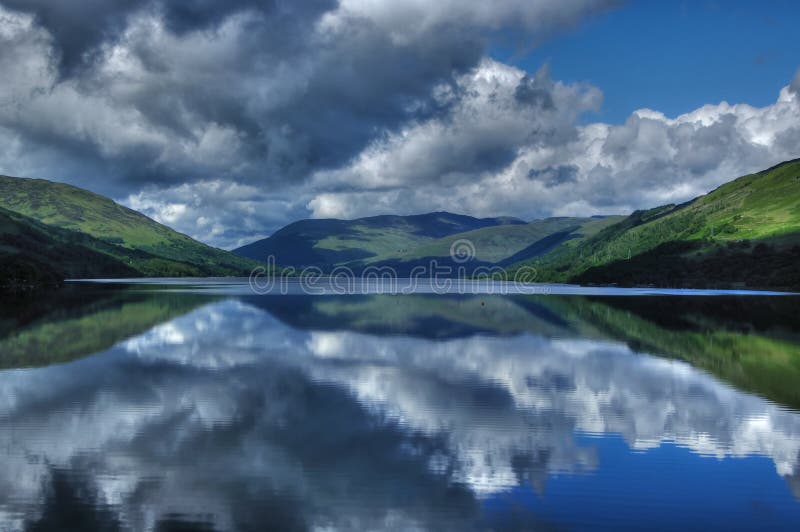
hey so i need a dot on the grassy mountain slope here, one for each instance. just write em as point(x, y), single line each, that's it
point(742, 228)
point(404, 241)
point(496, 243)
point(327, 243)
point(149, 247)
point(497, 246)
point(32, 254)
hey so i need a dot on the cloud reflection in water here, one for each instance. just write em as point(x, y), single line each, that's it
point(228, 416)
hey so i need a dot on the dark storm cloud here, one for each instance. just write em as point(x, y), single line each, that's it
point(177, 92)
point(77, 27)
point(535, 90)
point(290, 95)
point(554, 175)
point(80, 27)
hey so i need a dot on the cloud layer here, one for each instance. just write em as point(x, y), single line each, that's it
point(229, 120)
point(544, 163)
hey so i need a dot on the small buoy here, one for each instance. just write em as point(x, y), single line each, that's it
point(483, 304)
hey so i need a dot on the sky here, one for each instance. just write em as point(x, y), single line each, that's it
point(227, 120)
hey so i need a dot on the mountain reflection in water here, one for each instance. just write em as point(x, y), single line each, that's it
point(404, 412)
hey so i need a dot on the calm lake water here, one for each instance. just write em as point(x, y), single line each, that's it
point(206, 407)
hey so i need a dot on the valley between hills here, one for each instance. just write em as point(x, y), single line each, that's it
point(744, 234)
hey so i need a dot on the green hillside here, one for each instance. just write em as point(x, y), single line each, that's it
point(497, 243)
point(143, 245)
point(743, 233)
point(327, 243)
point(32, 254)
point(405, 241)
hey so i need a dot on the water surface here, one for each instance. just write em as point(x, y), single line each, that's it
point(206, 407)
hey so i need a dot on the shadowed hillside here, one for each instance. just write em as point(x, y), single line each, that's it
point(144, 246)
point(404, 242)
point(745, 233)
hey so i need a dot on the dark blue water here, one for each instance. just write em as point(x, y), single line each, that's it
point(138, 409)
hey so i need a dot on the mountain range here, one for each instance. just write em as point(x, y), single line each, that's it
point(745, 233)
point(405, 242)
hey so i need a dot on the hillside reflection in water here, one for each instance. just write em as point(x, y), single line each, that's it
point(401, 412)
